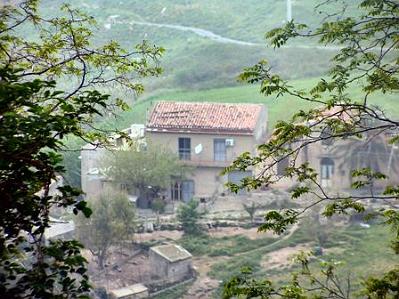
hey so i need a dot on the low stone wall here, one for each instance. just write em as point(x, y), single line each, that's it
point(165, 288)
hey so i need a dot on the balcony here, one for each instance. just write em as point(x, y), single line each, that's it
point(207, 163)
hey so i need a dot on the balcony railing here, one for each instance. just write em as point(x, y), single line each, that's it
point(207, 163)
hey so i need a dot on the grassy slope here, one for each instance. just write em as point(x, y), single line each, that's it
point(196, 62)
point(233, 18)
point(363, 252)
point(279, 109)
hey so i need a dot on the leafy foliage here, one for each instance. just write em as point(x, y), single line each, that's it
point(148, 170)
point(303, 284)
point(35, 119)
point(29, 167)
point(158, 205)
point(188, 216)
point(367, 54)
point(112, 222)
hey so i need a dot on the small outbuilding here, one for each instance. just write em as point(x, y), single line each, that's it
point(135, 291)
point(170, 263)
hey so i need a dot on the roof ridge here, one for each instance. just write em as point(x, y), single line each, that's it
point(207, 102)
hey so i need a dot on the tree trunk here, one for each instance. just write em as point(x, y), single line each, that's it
point(102, 256)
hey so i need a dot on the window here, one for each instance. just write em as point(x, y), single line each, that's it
point(219, 149)
point(326, 134)
point(284, 163)
point(327, 171)
point(187, 190)
point(282, 166)
point(184, 148)
point(182, 190)
point(176, 191)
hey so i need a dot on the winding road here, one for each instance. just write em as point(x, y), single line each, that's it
point(211, 35)
point(221, 39)
point(198, 31)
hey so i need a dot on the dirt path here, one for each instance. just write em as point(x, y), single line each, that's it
point(226, 40)
point(204, 286)
point(283, 238)
point(251, 233)
point(283, 257)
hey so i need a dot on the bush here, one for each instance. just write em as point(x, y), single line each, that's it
point(158, 206)
point(198, 245)
point(188, 216)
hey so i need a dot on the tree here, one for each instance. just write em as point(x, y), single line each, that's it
point(188, 216)
point(35, 119)
point(27, 172)
point(113, 220)
point(251, 210)
point(158, 206)
point(149, 170)
point(367, 54)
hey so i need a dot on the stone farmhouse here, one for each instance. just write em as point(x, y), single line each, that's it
point(208, 137)
point(334, 160)
point(93, 178)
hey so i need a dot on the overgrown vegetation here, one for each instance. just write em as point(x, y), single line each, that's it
point(349, 245)
point(367, 55)
point(112, 223)
point(36, 117)
point(224, 246)
point(145, 170)
point(189, 217)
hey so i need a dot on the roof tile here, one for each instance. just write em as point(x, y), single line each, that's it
point(178, 116)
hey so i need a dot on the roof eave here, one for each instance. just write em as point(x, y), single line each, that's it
point(200, 131)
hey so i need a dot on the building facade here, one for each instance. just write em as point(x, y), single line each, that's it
point(207, 137)
point(335, 159)
point(93, 177)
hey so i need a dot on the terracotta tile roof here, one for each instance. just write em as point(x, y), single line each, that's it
point(204, 117)
point(339, 113)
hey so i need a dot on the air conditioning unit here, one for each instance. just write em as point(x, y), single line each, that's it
point(229, 142)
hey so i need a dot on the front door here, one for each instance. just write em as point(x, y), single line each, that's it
point(183, 190)
point(187, 190)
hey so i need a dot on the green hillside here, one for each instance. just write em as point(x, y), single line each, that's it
point(202, 68)
point(195, 61)
point(231, 18)
point(278, 109)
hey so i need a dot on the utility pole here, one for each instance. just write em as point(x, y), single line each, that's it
point(289, 10)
